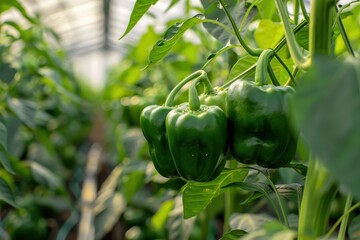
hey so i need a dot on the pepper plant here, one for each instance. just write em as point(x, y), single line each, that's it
point(291, 99)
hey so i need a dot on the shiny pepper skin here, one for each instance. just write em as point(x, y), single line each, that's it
point(259, 126)
point(152, 122)
point(198, 141)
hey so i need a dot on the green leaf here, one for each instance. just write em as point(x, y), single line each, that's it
point(4, 160)
point(327, 111)
point(158, 221)
point(214, 11)
point(267, 9)
point(281, 74)
point(241, 65)
point(3, 136)
point(172, 35)
point(302, 37)
point(44, 176)
point(6, 194)
point(233, 235)
point(140, 8)
point(300, 168)
point(268, 33)
point(197, 195)
point(132, 183)
point(7, 72)
point(24, 109)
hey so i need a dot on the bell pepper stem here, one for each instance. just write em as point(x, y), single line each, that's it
point(194, 101)
point(261, 77)
point(170, 99)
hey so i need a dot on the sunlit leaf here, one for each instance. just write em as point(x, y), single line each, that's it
point(158, 221)
point(6, 194)
point(140, 8)
point(268, 33)
point(327, 111)
point(267, 9)
point(197, 195)
point(172, 35)
point(241, 65)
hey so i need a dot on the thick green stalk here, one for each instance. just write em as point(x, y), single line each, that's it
point(194, 101)
point(320, 27)
point(316, 201)
point(319, 189)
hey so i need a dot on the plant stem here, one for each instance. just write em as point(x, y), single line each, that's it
point(261, 68)
point(319, 191)
point(229, 201)
point(285, 67)
point(296, 54)
point(319, 188)
point(303, 10)
point(296, 11)
point(248, 49)
point(170, 99)
point(320, 27)
point(344, 222)
point(277, 48)
point(272, 75)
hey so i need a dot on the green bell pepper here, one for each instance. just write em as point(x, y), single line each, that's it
point(197, 137)
point(152, 122)
point(258, 116)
